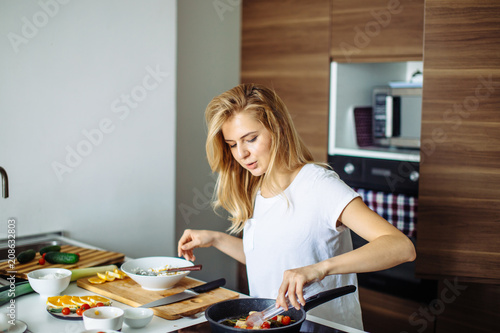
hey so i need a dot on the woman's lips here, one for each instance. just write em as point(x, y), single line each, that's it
point(252, 166)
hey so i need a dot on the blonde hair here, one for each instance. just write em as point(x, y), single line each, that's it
point(236, 187)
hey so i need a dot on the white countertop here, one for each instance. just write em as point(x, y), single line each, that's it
point(31, 309)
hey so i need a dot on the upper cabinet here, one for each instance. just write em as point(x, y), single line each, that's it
point(376, 30)
point(285, 45)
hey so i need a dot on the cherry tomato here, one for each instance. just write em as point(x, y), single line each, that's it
point(41, 261)
point(78, 254)
point(85, 306)
point(65, 311)
point(286, 320)
point(265, 325)
point(275, 318)
point(99, 304)
point(43, 255)
point(79, 311)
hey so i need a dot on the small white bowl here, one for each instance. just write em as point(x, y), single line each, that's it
point(137, 317)
point(49, 281)
point(156, 282)
point(100, 331)
point(103, 318)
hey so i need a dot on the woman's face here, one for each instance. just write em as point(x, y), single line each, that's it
point(249, 141)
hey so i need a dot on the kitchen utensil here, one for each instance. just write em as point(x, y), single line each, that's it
point(259, 317)
point(127, 291)
point(88, 258)
point(241, 307)
point(188, 293)
point(104, 317)
point(49, 281)
point(137, 317)
point(155, 282)
point(182, 269)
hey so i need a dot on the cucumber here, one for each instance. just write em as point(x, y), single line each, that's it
point(26, 256)
point(61, 258)
point(50, 248)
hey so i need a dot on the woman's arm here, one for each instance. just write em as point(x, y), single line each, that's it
point(387, 247)
point(191, 239)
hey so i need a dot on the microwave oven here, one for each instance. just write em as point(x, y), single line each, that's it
point(397, 116)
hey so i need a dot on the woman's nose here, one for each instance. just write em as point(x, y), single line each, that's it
point(242, 151)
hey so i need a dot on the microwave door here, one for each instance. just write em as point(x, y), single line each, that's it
point(388, 116)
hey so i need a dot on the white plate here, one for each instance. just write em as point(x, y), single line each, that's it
point(19, 327)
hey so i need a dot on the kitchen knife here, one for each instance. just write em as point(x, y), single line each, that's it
point(186, 294)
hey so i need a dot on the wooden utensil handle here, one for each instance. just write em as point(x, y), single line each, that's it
point(189, 268)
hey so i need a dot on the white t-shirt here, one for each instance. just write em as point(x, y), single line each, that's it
point(300, 230)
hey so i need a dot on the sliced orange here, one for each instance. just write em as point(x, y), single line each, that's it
point(122, 273)
point(96, 299)
point(54, 301)
point(115, 275)
point(96, 280)
point(102, 275)
point(66, 302)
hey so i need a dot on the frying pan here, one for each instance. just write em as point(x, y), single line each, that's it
point(242, 306)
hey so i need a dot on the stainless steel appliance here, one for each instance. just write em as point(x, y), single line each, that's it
point(397, 114)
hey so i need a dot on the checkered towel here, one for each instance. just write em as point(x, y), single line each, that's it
point(398, 209)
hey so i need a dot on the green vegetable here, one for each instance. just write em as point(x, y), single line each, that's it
point(21, 288)
point(26, 256)
point(61, 258)
point(50, 248)
point(85, 272)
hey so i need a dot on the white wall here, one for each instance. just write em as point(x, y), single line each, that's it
point(71, 66)
point(208, 64)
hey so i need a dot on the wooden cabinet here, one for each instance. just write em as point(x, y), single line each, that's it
point(459, 194)
point(285, 45)
point(376, 30)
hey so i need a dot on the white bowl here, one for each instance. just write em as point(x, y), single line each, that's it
point(100, 331)
point(137, 317)
point(103, 318)
point(49, 281)
point(156, 282)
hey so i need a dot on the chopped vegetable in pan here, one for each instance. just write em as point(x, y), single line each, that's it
point(241, 322)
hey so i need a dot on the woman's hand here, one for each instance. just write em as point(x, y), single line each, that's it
point(293, 283)
point(192, 239)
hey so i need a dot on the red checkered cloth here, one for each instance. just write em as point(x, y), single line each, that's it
point(398, 209)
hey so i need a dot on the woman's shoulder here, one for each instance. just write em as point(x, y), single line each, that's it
point(315, 172)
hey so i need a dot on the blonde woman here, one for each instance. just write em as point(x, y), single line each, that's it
point(293, 212)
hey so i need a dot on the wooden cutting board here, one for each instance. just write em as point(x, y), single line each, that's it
point(88, 258)
point(129, 292)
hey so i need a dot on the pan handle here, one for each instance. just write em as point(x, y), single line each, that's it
point(326, 296)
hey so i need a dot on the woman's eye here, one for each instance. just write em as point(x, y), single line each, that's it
point(232, 146)
point(252, 140)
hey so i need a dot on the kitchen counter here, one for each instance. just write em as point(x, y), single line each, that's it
point(31, 309)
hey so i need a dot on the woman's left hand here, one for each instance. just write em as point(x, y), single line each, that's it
point(293, 284)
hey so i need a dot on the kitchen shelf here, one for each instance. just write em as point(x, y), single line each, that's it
point(351, 86)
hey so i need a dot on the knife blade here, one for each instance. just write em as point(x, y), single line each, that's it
point(186, 294)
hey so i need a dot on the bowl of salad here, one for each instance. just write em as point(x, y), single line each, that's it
point(157, 273)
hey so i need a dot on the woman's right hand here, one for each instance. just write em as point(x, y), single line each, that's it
point(192, 239)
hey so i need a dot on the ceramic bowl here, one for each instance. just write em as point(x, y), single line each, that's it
point(49, 281)
point(137, 317)
point(100, 331)
point(162, 282)
point(103, 318)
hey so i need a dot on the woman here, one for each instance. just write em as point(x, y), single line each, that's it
point(295, 214)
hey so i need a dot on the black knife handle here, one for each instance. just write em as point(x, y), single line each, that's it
point(209, 286)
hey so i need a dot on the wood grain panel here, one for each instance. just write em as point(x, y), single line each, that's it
point(285, 45)
point(459, 188)
point(468, 307)
point(377, 30)
point(383, 313)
